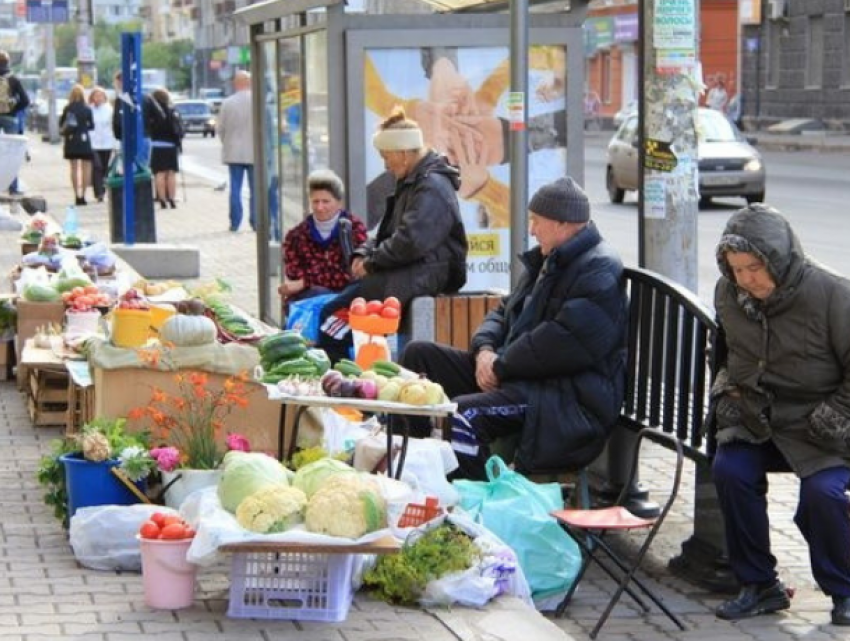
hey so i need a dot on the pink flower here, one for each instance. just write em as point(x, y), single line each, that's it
point(167, 458)
point(237, 442)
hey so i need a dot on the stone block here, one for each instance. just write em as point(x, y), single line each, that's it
point(161, 260)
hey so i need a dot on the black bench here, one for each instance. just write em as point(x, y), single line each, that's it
point(670, 365)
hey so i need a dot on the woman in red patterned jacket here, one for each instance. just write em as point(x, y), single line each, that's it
point(317, 252)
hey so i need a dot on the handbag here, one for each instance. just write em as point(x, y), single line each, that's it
point(518, 512)
point(69, 127)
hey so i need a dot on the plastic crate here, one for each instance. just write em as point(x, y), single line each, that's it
point(294, 585)
point(415, 514)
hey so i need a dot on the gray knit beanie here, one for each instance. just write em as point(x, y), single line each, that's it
point(562, 200)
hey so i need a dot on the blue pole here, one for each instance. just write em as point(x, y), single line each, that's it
point(131, 125)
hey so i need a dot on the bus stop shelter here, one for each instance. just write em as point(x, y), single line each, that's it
point(324, 76)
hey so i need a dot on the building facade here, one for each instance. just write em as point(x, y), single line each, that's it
point(796, 62)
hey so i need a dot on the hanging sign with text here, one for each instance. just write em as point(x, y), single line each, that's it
point(674, 24)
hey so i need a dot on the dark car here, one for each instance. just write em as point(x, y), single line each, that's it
point(197, 117)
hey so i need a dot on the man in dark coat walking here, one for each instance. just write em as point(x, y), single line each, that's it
point(549, 363)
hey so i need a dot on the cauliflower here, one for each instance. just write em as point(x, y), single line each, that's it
point(346, 505)
point(273, 508)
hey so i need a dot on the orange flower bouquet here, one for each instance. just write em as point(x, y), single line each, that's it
point(190, 422)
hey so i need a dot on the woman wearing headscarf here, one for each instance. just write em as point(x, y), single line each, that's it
point(420, 245)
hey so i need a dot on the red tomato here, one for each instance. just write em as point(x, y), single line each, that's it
point(149, 530)
point(392, 301)
point(389, 312)
point(158, 518)
point(358, 308)
point(358, 300)
point(189, 533)
point(374, 307)
point(173, 531)
point(171, 519)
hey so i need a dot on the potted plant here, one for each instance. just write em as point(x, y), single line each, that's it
point(78, 472)
point(187, 430)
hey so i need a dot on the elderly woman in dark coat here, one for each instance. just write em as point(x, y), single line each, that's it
point(420, 246)
point(782, 401)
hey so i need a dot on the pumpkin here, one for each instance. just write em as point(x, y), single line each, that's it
point(185, 330)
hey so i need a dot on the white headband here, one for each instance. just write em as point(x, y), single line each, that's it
point(398, 139)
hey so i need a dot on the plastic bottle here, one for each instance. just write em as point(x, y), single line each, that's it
point(69, 227)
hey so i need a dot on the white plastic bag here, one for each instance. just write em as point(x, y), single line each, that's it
point(103, 537)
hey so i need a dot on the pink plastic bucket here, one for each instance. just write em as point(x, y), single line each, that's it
point(168, 578)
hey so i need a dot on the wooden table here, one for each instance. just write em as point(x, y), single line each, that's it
point(45, 383)
point(384, 545)
point(301, 403)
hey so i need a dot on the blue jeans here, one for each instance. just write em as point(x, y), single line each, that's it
point(740, 475)
point(237, 172)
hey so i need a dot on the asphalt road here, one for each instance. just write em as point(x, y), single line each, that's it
point(812, 189)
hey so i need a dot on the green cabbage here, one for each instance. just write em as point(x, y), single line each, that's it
point(310, 478)
point(245, 473)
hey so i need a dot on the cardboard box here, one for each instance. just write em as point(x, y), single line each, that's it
point(117, 391)
point(32, 315)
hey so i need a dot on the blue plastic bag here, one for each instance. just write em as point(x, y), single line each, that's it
point(518, 512)
point(304, 315)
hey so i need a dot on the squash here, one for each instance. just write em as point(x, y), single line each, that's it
point(183, 330)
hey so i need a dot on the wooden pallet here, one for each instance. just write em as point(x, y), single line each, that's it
point(47, 397)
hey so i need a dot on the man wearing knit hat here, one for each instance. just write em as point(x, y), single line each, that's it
point(549, 363)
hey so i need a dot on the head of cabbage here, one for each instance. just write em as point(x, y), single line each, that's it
point(246, 473)
point(310, 478)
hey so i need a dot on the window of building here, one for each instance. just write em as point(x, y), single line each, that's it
point(814, 49)
point(605, 77)
point(774, 37)
point(845, 59)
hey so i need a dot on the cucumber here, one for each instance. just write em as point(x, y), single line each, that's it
point(283, 352)
point(384, 367)
point(300, 366)
point(348, 367)
point(286, 337)
point(320, 358)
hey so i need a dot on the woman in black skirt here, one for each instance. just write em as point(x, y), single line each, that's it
point(76, 123)
point(166, 137)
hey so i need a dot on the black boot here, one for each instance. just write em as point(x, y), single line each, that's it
point(841, 610)
point(755, 599)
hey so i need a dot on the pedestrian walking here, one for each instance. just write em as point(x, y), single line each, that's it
point(236, 132)
point(166, 145)
point(102, 140)
point(76, 124)
point(14, 102)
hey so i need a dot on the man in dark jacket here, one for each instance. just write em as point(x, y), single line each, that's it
point(549, 363)
point(782, 397)
point(420, 247)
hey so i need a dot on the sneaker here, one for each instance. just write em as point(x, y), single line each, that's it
point(754, 600)
point(841, 610)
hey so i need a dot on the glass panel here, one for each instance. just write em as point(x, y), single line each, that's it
point(291, 132)
point(272, 168)
point(316, 50)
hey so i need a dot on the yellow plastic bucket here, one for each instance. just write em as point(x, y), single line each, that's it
point(131, 327)
point(160, 314)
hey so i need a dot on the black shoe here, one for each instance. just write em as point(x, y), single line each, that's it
point(841, 610)
point(81, 201)
point(754, 600)
point(163, 204)
point(172, 204)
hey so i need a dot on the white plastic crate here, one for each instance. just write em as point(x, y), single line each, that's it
point(291, 585)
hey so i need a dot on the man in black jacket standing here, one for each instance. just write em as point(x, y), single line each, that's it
point(549, 363)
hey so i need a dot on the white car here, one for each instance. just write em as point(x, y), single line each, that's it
point(728, 164)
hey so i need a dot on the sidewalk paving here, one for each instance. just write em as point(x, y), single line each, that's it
point(45, 595)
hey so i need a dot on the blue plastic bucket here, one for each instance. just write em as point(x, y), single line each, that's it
point(91, 483)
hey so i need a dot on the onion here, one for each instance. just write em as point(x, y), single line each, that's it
point(366, 388)
point(330, 380)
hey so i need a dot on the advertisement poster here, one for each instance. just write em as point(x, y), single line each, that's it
point(460, 96)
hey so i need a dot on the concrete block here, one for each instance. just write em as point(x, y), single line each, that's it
point(160, 260)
